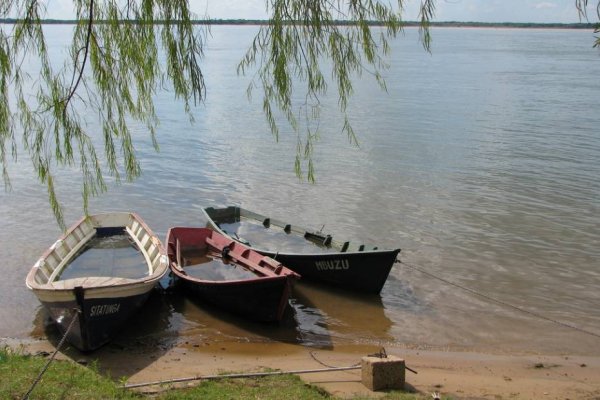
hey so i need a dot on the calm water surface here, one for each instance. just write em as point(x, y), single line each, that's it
point(113, 256)
point(482, 162)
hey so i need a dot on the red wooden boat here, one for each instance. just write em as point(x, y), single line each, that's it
point(228, 274)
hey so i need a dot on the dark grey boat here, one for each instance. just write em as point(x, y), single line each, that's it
point(360, 268)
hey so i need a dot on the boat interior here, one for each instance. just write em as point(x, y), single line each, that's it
point(261, 231)
point(204, 245)
point(57, 258)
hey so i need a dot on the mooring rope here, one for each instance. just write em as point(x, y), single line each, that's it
point(60, 343)
point(314, 357)
point(232, 376)
point(501, 302)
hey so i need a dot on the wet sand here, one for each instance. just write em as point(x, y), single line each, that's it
point(459, 374)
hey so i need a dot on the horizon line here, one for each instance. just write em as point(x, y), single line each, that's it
point(243, 21)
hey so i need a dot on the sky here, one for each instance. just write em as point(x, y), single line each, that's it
point(538, 11)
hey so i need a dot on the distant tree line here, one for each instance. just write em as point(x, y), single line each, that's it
point(121, 53)
point(453, 24)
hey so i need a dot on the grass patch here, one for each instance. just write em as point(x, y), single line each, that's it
point(63, 380)
point(265, 388)
point(68, 380)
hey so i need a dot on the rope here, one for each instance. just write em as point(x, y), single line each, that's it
point(327, 365)
point(501, 302)
point(231, 376)
point(62, 341)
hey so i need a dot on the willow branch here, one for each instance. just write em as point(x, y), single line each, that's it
point(73, 87)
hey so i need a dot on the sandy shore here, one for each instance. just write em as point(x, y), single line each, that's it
point(459, 374)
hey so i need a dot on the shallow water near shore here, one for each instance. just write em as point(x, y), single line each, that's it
point(482, 162)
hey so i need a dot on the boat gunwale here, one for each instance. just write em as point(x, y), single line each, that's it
point(191, 278)
point(156, 275)
point(285, 273)
point(250, 215)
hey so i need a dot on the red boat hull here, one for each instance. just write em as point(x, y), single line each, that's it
point(262, 297)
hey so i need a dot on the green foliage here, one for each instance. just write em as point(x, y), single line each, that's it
point(272, 387)
point(267, 388)
point(582, 6)
point(115, 66)
point(304, 43)
point(63, 380)
point(123, 52)
point(113, 70)
point(67, 380)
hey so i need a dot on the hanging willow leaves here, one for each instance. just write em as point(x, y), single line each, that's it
point(114, 69)
point(123, 51)
point(582, 8)
point(317, 43)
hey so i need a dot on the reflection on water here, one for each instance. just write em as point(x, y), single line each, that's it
point(274, 239)
point(113, 256)
point(150, 332)
point(317, 317)
point(480, 163)
point(349, 317)
point(174, 318)
point(201, 323)
point(209, 265)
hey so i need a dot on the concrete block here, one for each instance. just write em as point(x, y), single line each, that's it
point(383, 373)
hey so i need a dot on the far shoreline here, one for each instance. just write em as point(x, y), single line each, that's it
point(405, 24)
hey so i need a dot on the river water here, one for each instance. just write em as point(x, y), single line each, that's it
point(482, 162)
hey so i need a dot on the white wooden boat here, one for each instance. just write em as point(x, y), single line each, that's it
point(102, 292)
